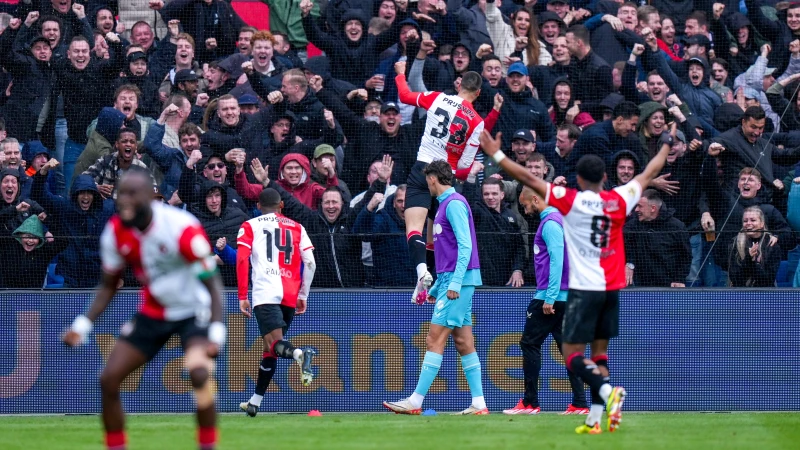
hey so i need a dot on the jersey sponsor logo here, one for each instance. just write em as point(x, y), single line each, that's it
point(559, 192)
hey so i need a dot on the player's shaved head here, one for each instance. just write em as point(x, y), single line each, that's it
point(269, 200)
point(591, 168)
point(134, 193)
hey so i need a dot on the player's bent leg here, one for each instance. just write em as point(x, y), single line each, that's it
point(578, 405)
point(123, 360)
point(200, 367)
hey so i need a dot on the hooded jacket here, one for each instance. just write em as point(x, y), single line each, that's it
point(27, 270)
point(101, 139)
point(192, 192)
point(748, 52)
point(80, 262)
point(775, 31)
point(558, 116)
point(307, 192)
point(149, 103)
point(701, 99)
point(659, 249)
point(10, 217)
point(613, 181)
point(336, 248)
point(352, 61)
point(650, 143)
point(385, 230)
point(601, 139)
point(225, 225)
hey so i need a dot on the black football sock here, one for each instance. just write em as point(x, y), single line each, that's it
point(265, 373)
point(283, 349)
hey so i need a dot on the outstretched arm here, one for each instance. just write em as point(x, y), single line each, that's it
point(491, 146)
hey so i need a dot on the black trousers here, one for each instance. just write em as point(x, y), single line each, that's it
point(537, 326)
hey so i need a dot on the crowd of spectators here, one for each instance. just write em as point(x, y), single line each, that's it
point(217, 110)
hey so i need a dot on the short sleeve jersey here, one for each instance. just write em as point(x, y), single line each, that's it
point(275, 244)
point(167, 258)
point(452, 130)
point(593, 224)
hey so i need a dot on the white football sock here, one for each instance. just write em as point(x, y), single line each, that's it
point(605, 391)
point(416, 400)
point(421, 269)
point(479, 402)
point(595, 415)
point(256, 399)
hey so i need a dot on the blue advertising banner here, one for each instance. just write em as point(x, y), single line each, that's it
point(680, 350)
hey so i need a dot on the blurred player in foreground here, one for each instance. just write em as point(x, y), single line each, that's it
point(458, 271)
point(171, 257)
point(593, 222)
point(277, 246)
point(452, 130)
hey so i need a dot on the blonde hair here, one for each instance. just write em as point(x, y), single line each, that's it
point(742, 244)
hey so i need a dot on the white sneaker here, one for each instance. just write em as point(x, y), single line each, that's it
point(420, 294)
point(403, 406)
point(473, 411)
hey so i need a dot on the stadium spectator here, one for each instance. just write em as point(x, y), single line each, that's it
point(520, 109)
point(213, 168)
point(265, 64)
point(70, 16)
point(297, 98)
point(171, 141)
point(544, 77)
point(558, 152)
point(565, 110)
point(590, 74)
point(219, 221)
point(517, 39)
point(14, 209)
point(244, 39)
point(612, 42)
point(36, 156)
point(324, 170)
point(29, 252)
point(219, 78)
point(135, 14)
point(137, 73)
point(184, 59)
point(100, 142)
point(295, 178)
point(106, 170)
point(214, 24)
point(500, 245)
point(656, 245)
point(754, 260)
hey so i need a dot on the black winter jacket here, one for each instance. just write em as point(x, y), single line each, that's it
point(659, 249)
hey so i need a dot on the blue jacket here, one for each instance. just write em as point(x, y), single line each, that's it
point(170, 160)
point(80, 262)
point(385, 231)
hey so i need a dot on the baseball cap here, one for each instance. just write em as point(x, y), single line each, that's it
point(751, 93)
point(697, 39)
point(389, 105)
point(769, 71)
point(38, 38)
point(135, 56)
point(680, 137)
point(184, 75)
point(550, 16)
point(556, 1)
point(519, 68)
point(324, 149)
point(525, 135)
point(696, 60)
point(247, 99)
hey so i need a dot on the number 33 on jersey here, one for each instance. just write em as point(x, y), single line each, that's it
point(452, 130)
point(276, 246)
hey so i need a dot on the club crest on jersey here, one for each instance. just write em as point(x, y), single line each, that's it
point(240, 234)
point(559, 192)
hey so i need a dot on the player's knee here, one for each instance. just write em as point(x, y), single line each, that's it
point(109, 382)
point(463, 344)
point(198, 376)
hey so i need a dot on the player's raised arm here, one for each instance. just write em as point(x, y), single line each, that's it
point(404, 93)
point(655, 165)
point(309, 267)
point(491, 146)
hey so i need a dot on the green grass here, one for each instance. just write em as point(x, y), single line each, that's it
point(760, 431)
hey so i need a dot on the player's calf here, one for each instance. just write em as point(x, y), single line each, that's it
point(200, 366)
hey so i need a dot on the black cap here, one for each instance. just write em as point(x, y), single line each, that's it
point(524, 135)
point(558, 1)
point(550, 16)
point(697, 39)
point(247, 99)
point(389, 105)
point(184, 75)
point(38, 38)
point(135, 56)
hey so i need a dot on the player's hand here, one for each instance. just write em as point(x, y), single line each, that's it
point(498, 102)
point(71, 338)
point(244, 307)
point(400, 67)
point(452, 295)
point(430, 299)
point(516, 279)
point(560, 181)
point(476, 169)
point(212, 350)
point(661, 183)
point(548, 309)
point(489, 144)
point(301, 306)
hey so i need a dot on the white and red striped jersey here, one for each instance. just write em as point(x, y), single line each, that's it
point(276, 246)
point(452, 128)
point(593, 231)
point(167, 258)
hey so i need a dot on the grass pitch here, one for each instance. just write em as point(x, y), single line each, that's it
point(761, 431)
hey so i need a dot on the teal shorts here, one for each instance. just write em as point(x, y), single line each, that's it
point(454, 313)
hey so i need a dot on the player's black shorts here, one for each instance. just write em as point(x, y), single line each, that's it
point(591, 315)
point(272, 317)
point(148, 335)
point(417, 194)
